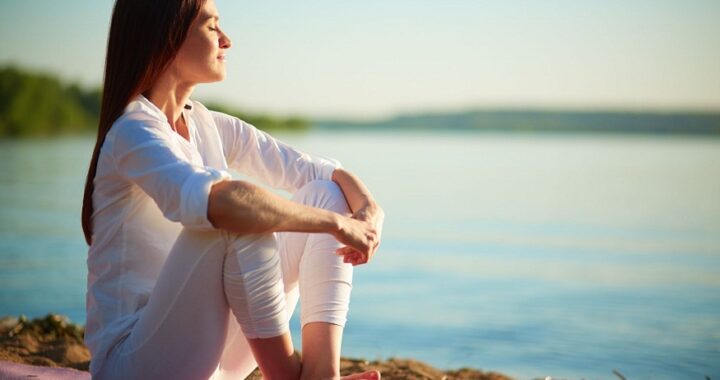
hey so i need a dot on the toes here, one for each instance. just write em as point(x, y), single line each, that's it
point(368, 375)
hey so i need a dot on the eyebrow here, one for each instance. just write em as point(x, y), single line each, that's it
point(216, 17)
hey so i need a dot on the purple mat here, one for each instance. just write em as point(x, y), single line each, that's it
point(14, 371)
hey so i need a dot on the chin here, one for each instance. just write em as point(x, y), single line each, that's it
point(215, 77)
point(220, 73)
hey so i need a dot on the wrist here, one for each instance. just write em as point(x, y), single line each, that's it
point(335, 224)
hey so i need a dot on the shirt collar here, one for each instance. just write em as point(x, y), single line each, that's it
point(141, 103)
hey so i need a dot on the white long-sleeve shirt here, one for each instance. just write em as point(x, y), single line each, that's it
point(151, 182)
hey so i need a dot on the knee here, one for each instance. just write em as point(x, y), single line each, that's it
point(322, 194)
point(321, 186)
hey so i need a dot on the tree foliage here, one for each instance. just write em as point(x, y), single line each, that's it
point(40, 105)
point(262, 121)
point(33, 104)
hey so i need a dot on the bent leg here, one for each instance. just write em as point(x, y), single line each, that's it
point(255, 292)
point(184, 329)
point(312, 269)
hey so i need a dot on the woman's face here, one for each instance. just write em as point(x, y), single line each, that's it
point(201, 58)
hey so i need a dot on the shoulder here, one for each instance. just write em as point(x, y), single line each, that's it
point(136, 128)
point(139, 114)
point(221, 119)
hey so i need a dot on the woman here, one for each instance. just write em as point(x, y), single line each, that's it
point(192, 275)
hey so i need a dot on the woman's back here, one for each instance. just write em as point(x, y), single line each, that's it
point(132, 231)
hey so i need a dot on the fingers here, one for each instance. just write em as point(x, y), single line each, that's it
point(361, 241)
point(354, 259)
point(368, 375)
point(344, 251)
point(355, 256)
point(352, 255)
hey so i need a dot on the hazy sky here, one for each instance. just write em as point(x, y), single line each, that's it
point(377, 57)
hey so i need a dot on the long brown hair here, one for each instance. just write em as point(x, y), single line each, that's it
point(145, 36)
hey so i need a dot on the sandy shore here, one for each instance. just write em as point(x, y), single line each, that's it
point(54, 342)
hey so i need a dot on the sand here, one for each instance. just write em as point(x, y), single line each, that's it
point(53, 348)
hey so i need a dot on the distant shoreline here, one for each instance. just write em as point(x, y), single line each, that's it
point(36, 104)
point(541, 121)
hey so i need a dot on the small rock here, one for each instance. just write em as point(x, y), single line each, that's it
point(7, 323)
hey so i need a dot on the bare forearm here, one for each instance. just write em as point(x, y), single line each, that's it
point(356, 193)
point(364, 208)
point(242, 207)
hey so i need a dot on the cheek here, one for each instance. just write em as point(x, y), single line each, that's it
point(196, 46)
point(197, 58)
point(205, 52)
point(186, 53)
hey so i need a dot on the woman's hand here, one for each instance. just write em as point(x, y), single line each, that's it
point(373, 215)
point(365, 209)
point(360, 239)
point(372, 218)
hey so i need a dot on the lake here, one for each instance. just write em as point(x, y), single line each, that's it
point(529, 254)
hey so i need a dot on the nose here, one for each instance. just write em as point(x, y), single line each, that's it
point(225, 42)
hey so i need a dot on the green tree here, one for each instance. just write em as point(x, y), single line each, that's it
point(39, 105)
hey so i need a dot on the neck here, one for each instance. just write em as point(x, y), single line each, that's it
point(170, 96)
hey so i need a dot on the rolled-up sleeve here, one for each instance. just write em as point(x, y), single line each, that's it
point(143, 154)
point(257, 154)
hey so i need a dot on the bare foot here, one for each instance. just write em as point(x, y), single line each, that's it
point(367, 375)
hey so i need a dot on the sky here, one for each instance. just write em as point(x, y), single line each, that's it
point(376, 58)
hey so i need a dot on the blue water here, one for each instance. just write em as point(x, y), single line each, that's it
point(564, 256)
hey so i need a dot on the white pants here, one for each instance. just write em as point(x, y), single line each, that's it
point(218, 288)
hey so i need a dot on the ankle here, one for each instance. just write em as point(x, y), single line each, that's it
point(290, 371)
